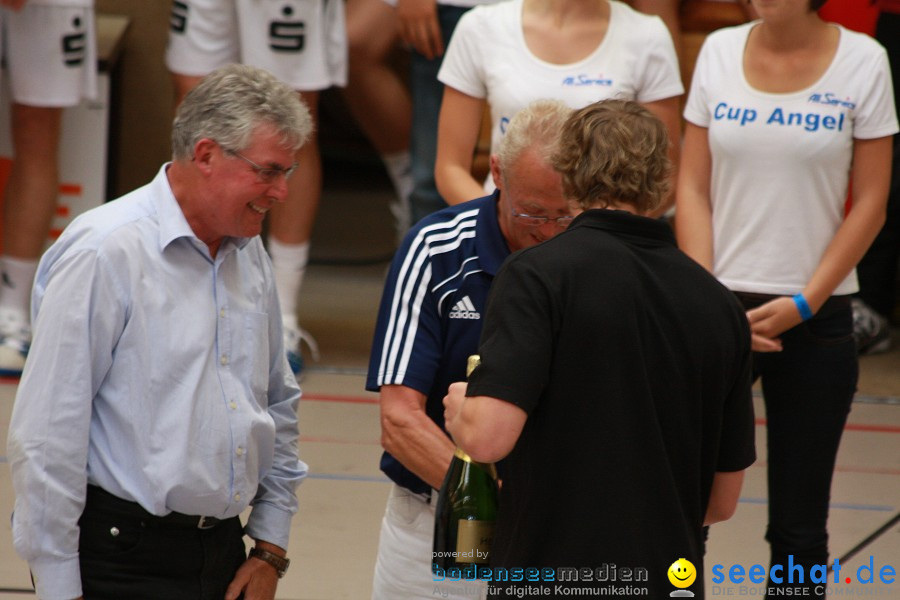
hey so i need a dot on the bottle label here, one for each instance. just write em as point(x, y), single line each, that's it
point(473, 541)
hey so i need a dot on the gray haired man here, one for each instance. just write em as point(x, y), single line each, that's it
point(156, 403)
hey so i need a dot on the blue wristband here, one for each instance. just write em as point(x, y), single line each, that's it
point(803, 307)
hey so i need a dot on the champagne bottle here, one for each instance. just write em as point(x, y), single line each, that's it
point(466, 510)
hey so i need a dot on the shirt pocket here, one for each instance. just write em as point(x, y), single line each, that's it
point(252, 349)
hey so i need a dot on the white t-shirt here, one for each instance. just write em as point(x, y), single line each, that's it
point(781, 162)
point(488, 58)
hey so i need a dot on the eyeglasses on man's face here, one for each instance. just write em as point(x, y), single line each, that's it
point(538, 221)
point(268, 174)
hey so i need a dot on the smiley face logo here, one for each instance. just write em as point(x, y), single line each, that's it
point(682, 573)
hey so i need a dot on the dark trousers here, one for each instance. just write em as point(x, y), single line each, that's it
point(808, 388)
point(127, 553)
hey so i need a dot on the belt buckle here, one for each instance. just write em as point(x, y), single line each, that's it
point(207, 522)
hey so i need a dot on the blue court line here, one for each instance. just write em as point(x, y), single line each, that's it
point(838, 505)
point(337, 477)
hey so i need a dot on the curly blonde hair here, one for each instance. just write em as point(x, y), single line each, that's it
point(614, 152)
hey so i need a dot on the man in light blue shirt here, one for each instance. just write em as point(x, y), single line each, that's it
point(156, 403)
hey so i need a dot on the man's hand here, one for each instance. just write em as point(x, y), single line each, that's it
point(13, 4)
point(419, 27)
point(485, 428)
point(456, 395)
point(256, 578)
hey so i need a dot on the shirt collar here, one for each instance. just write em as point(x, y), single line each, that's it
point(172, 222)
point(489, 241)
point(649, 230)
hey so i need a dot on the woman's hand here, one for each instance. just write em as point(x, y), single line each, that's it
point(770, 320)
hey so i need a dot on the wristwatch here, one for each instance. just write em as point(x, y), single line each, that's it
point(280, 563)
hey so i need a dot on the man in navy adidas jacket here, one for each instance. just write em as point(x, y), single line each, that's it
point(430, 322)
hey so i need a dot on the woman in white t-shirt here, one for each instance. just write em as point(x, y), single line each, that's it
point(576, 51)
point(783, 114)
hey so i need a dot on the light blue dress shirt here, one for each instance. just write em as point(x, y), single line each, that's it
point(156, 373)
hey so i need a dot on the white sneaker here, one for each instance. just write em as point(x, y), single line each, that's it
point(15, 340)
point(294, 338)
point(871, 331)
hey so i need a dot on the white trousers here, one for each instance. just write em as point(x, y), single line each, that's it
point(403, 565)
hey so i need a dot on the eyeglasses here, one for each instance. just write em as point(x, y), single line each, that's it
point(536, 221)
point(265, 174)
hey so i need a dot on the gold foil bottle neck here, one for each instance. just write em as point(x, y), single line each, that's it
point(488, 467)
point(462, 455)
point(474, 361)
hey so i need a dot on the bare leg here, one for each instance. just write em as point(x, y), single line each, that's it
point(378, 98)
point(31, 193)
point(28, 208)
point(375, 93)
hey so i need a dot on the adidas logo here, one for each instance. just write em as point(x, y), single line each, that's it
point(464, 309)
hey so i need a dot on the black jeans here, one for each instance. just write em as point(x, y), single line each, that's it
point(127, 553)
point(808, 388)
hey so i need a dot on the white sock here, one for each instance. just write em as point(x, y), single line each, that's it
point(15, 286)
point(289, 262)
point(400, 171)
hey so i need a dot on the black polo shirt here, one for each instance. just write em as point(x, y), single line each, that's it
point(633, 364)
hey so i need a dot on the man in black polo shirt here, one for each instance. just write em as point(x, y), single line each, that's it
point(615, 381)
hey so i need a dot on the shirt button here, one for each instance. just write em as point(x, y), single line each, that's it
point(221, 312)
point(224, 360)
point(237, 497)
point(240, 451)
point(232, 405)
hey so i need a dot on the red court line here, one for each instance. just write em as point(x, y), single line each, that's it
point(859, 427)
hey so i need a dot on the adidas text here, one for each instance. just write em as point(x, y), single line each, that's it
point(465, 314)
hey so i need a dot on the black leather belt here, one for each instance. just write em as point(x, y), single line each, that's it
point(102, 501)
